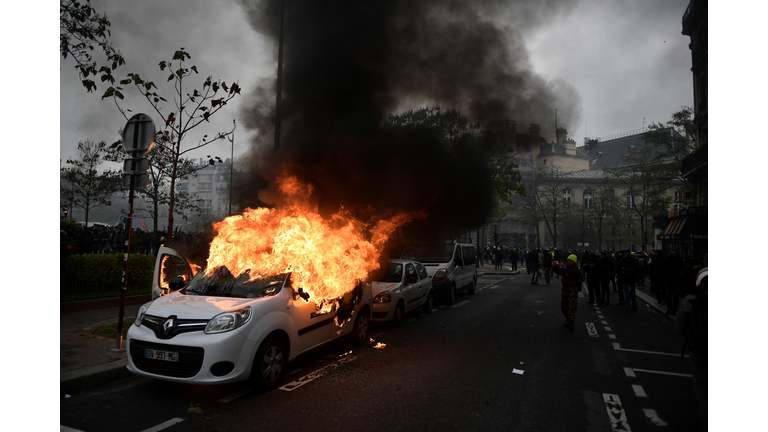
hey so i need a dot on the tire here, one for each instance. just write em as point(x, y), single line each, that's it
point(269, 363)
point(452, 294)
point(399, 314)
point(471, 289)
point(361, 329)
point(429, 303)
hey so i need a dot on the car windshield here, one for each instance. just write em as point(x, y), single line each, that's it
point(430, 252)
point(221, 283)
point(394, 274)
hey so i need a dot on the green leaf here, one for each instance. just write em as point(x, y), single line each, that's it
point(118, 94)
point(170, 77)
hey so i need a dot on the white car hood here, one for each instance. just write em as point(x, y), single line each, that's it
point(379, 287)
point(200, 307)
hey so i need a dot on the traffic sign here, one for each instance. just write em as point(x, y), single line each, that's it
point(139, 135)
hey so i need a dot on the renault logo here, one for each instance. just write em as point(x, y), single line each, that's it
point(168, 324)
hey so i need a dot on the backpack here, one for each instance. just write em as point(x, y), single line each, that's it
point(696, 334)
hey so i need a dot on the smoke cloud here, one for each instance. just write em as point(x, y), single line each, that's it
point(348, 64)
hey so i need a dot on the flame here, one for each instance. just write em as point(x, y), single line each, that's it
point(327, 258)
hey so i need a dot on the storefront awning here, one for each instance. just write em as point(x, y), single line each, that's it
point(685, 228)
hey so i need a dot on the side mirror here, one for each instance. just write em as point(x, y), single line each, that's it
point(176, 283)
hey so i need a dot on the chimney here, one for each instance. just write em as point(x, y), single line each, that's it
point(510, 135)
point(570, 147)
point(534, 137)
point(562, 135)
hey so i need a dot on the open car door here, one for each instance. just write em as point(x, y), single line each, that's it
point(172, 272)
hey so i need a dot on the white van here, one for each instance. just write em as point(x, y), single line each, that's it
point(452, 266)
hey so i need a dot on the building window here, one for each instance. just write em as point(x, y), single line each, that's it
point(588, 199)
point(545, 161)
point(567, 198)
point(630, 201)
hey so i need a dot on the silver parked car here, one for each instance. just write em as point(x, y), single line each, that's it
point(405, 287)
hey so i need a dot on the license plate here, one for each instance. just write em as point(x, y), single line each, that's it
point(161, 355)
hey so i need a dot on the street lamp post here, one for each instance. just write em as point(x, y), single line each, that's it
point(231, 164)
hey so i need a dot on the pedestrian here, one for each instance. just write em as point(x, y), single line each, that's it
point(593, 280)
point(572, 284)
point(619, 278)
point(655, 275)
point(535, 264)
point(556, 256)
point(629, 270)
point(606, 275)
point(691, 322)
point(514, 257)
point(672, 271)
point(528, 261)
point(547, 265)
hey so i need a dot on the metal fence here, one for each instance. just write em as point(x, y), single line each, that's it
point(97, 285)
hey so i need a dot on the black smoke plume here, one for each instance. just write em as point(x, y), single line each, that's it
point(348, 64)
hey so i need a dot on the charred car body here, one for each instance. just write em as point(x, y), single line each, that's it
point(219, 328)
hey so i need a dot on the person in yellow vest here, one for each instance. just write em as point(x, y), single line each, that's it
point(572, 284)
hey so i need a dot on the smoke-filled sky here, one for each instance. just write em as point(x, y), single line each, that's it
point(604, 65)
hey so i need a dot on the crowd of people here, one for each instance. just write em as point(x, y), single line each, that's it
point(669, 277)
point(98, 240)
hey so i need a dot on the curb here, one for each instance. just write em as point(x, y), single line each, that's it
point(80, 379)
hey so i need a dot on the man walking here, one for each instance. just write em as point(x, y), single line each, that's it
point(547, 265)
point(572, 283)
point(535, 264)
point(629, 268)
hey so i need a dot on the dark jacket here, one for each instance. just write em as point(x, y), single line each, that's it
point(571, 277)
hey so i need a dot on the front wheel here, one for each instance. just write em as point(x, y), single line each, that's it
point(471, 289)
point(397, 317)
point(452, 294)
point(269, 363)
point(429, 303)
point(361, 328)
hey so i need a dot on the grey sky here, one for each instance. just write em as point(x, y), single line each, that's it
point(627, 60)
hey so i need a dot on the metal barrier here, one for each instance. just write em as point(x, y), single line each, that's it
point(97, 285)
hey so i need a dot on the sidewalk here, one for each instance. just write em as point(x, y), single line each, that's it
point(87, 359)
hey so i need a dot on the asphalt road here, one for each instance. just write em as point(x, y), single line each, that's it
point(496, 360)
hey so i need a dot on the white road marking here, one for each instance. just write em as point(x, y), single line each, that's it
point(653, 417)
point(603, 322)
point(629, 372)
point(165, 425)
point(616, 412)
point(460, 304)
point(591, 330)
point(663, 373)
point(618, 347)
point(293, 385)
point(607, 328)
point(611, 336)
point(600, 316)
point(639, 392)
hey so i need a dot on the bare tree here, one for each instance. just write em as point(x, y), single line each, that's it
point(83, 186)
point(189, 110)
point(646, 185)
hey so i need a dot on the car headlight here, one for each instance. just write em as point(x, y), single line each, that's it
point(227, 321)
point(383, 298)
point(440, 275)
point(140, 314)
